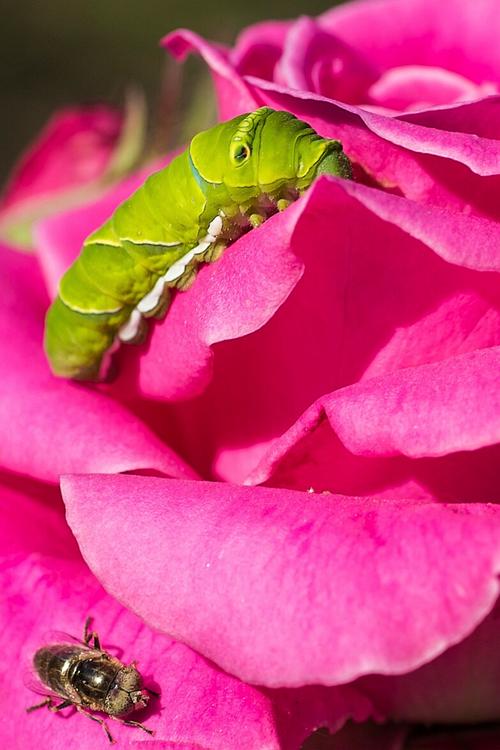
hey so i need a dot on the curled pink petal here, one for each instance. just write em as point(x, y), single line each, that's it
point(470, 241)
point(233, 94)
point(418, 86)
point(47, 425)
point(471, 668)
point(481, 117)
point(407, 412)
point(316, 60)
point(418, 412)
point(233, 559)
point(480, 155)
point(423, 408)
point(258, 48)
point(459, 36)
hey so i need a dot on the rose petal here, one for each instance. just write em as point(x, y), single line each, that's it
point(316, 60)
point(232, 560)
point(47, 425)
point(481, 117)
point(456, 35)
point(469, 241)
point(258, 48)
point(419, 86)
point(233, 94)
point(367, 736)
point(74, 147)
point(32, 521)
point(72, 152)
point(61, 427)
point(418, 412)
point(460, 685)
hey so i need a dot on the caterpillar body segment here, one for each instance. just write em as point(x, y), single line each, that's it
point(229, 180)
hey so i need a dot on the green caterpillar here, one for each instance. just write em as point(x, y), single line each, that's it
point(230, 179)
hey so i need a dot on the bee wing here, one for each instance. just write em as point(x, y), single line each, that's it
point(59, 636)
point(31, 678)
point(33, 683)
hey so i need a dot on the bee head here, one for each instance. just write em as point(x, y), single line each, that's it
point(126, 693)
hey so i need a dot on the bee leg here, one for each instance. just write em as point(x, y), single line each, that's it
point(99, 721)
point(47, 702)
point(131, 723)
point(64, 704)
point(88, 635)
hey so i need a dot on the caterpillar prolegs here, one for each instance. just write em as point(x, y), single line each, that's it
point(230, 179)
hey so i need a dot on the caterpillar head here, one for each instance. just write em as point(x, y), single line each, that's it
point(263, 151)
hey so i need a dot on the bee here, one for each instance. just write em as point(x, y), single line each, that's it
point(87, 677)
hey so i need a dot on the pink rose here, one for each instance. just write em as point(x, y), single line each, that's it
point(399, 56)
point(350, 346)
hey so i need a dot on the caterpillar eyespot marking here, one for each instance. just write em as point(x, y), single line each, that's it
point(228, 181)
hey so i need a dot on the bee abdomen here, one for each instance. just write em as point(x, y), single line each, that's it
point(41, 662)
point(51, 664)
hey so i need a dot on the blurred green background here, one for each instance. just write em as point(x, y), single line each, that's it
point(61, 52)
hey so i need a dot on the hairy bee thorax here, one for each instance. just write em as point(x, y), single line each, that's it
point(127, 694)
